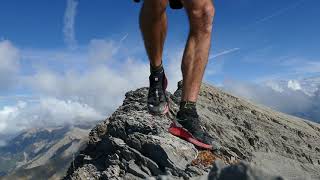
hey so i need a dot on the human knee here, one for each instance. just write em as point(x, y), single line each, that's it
point(202, 18)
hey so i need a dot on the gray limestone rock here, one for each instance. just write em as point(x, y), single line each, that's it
point(132, 144)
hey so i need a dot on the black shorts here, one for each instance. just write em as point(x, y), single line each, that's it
point(175, 4)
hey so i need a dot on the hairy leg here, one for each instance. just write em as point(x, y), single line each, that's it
point(153, 25)
point(195, 57)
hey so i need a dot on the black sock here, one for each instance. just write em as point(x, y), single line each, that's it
point(187, 105)
point(156, 70)
point(187, 111)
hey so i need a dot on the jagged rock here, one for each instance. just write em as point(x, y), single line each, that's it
point(132, 144)
point(88, 171)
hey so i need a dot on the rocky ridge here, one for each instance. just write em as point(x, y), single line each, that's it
point(258, 142)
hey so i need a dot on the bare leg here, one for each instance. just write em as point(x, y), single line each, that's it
point(195, 58)
point(153, 25)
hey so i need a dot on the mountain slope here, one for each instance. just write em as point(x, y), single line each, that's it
point(42, 153)
point(133, 144)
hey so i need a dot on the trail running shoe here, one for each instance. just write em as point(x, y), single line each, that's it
point(188, 127)
point(157, 101)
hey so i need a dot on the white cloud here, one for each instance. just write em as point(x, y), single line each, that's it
point(64, 94)
point(275, 86)
point(102, 87)
point(9, 64)
point(173, 69)
point(47, 112)
point(288, 100)
point(69, 23)
point(294, 85)
point(4, 116)
point(101, 51)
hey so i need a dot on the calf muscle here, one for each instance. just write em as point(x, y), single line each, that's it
point(195, 58)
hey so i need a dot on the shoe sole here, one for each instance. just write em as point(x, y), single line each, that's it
point(164, 112)
point(187, 136)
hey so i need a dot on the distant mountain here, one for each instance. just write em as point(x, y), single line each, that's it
point(4, 138)
point(42, 153)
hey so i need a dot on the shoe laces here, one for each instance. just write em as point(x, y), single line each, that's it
point(156, 92)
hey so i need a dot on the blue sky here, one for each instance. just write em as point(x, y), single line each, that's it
point(77, 54)
point(263, 31)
